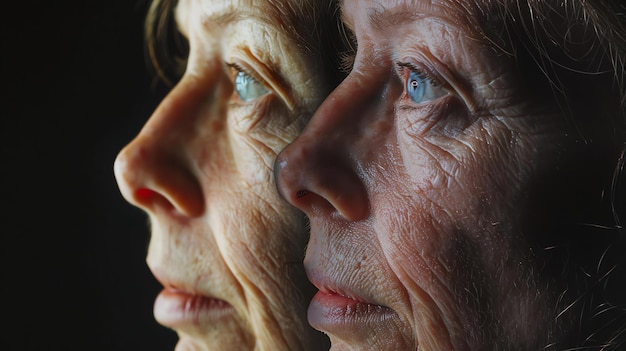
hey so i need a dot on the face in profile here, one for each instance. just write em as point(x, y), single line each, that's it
point(438, 180)
point(226, 248)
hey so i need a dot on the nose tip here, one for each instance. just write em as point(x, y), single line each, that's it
point(315, 181)
point(154, 180)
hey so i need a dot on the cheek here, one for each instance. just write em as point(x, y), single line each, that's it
point(419, 247)
point(478, 172)
point(466, 185)
point(455, 227)
point(257, 233)
point(262, 242)
point(258, 230)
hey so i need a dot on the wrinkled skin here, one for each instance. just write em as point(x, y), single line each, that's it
point(202, 169)
point(426, 205)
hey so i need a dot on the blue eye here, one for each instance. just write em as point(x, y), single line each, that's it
point(415, 87)
point(421, 87)
point(248, 88)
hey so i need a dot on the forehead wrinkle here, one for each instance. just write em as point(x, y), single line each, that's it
point(232, 13)
point(383, 17)
point(294, 19)
point(380, 18)
point(285, 19)
point(216, 14)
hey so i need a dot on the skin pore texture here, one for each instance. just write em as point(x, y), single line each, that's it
point(226, 248)
point(437, 178)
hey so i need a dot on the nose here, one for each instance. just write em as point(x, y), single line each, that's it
point(321, 171)
point(154, 171)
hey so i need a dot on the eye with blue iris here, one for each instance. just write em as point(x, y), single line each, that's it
point(419, 86)
point(247, 87)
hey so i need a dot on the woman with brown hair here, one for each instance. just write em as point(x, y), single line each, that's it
point(227, 250)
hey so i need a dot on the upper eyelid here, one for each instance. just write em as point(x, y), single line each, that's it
point(400, 65)
point(422, 72)
point(269, 77)
point(240, 68)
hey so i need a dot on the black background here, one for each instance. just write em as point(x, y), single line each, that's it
point(75, 90)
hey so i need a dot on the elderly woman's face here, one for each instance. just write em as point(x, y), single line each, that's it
point(226, 248)
point(421, 175)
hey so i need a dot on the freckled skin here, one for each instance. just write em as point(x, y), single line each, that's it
point(433, 209)
point(219, 228)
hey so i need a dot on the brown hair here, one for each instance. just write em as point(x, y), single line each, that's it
point(166, 50)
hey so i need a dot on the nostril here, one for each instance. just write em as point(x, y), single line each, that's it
point(302, 193)
point(155, 201)
point(145, 194)
point(318, 181)
point(154, 178)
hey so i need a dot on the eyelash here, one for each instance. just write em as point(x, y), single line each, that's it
point(349, 55)
point(420, 86)
point(419, 72)
point(236, 69)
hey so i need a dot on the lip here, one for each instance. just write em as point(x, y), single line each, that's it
point(181, 306)
point(335, 309)
point(178, 309)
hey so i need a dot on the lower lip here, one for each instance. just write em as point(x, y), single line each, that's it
point(333, 313)
point(174, 308)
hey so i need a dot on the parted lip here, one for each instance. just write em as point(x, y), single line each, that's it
point(173, 284)
point(342, 310)
point(330, 286)
point(170, 282)
point(181, 306)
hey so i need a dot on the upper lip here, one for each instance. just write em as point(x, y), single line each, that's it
point(327, 285)
point(167, 280)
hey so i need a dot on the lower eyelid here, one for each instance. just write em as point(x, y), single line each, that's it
point(236, 102)
point(418, 120)
point(442, 116)
point(405, 103)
